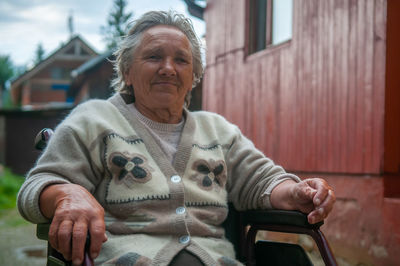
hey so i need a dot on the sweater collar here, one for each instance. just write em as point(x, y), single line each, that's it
point(120, 101)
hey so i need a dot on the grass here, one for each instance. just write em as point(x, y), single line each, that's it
point(11, 219)
point(9, 186)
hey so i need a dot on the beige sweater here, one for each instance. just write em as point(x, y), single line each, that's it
point(154, 208)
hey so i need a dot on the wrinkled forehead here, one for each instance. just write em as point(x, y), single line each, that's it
point(164, 30)
point(165, 34)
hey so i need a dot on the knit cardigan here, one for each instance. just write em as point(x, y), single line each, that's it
point(154, 208)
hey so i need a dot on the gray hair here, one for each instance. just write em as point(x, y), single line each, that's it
point(127, 46)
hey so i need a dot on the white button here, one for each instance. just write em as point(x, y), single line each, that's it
point(184, 239)
point(176, 178)
point(129, 166)
point(180, 210)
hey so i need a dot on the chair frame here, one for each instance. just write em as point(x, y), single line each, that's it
point(241, 229)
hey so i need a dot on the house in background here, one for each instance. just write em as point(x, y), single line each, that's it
point(315, 84)
point(46, 95)
point(49, 81)
point(92, 79)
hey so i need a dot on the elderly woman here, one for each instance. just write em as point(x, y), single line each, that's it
point(149, 180)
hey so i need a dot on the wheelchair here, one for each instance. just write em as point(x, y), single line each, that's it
point(241, 229)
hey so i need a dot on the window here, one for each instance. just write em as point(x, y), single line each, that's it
point(282, 13)
point(270, 23)
point(257, 25)
point(60, 73)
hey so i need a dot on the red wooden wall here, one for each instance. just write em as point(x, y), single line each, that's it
point(315, 103)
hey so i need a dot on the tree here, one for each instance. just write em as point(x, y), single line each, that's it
point(39, 54)
point(116, 23)
point(6, 72)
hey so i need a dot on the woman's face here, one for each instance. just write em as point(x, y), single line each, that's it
point(162, 69)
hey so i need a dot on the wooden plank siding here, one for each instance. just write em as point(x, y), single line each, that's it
point(313, 104)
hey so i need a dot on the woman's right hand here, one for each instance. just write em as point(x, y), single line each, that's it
point(74, 213)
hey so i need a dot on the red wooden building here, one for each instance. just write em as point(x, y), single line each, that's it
point(321, 99)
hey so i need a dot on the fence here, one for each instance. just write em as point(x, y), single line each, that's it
point(18, 129)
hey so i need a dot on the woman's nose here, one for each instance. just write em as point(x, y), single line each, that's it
point(167, 68)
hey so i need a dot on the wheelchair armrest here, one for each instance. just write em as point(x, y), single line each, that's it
point(278, 217)
point(42, 231)
point(280, 221)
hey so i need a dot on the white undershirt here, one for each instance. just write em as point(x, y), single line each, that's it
point(166, 135)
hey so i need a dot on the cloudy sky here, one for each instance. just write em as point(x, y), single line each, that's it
point(26, 23)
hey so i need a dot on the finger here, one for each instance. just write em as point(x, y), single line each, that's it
point(322, 211)
point(327, 204)
point(303, 191)
point(97, 237)
point(53, 239)
point(315, 216)
point(64, 238)
point(321, 188)
point(306, 195)
point(78, 242)
point(310, 193)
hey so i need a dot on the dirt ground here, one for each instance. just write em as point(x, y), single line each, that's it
point(18, 243)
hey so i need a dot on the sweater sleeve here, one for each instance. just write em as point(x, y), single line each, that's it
point(251, 175)
point(65, 160)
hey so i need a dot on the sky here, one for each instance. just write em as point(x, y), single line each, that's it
point(26, 23)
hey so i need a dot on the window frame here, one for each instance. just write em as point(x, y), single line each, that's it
point(251, 41)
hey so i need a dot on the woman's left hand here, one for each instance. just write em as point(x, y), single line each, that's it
point(311, 196)
point(315, 197)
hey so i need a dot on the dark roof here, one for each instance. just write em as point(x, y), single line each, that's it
point(91, 63)
point(194, 9)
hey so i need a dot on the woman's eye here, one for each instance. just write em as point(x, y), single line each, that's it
point(181, 60)
point(154, 57)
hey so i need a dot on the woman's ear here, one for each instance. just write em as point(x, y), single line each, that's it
point(127, 80)
point(192, 85)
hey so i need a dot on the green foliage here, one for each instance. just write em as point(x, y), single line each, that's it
point(7, 101)
point(9, 186)
point(117, 23)
point(6, 70)
point(19, 70)
point(39, 54)
point(5, 95)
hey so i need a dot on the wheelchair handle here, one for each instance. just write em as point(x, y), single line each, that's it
point(42, 138)
point(42, 232)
